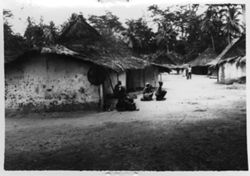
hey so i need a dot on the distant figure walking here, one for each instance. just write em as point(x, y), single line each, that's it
point(189, 72)
point(160, 92)
point(147, 93)
point(186, 72)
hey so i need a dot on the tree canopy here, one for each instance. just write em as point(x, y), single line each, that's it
point(180, 29)
point(106, 24)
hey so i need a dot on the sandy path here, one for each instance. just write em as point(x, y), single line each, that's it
point(201, 126)
point(187, 99)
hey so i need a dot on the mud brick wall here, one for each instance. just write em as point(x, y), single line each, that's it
point(112, 79)
point(138, 78)
point(49, 83)
point(151, 75)
point(230, 72)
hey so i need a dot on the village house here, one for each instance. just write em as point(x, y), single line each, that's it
point(49, 81)
point(77, 74)
point(111, 52)
point(166, 62)
point(232, 65)
point(231, 62)
point(199, 64)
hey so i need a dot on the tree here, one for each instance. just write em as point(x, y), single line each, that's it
point(167, 27)
point(165, 37)
point(7, 27)
point(107, 24)
point(139, 36)
point(176, 24)
point(208, 24)
point(50, 33)
point(39, 35)
point(14, 44)
point(232, 26)
point(34, 34)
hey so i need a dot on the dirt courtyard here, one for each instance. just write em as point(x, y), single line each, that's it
point(200, 126)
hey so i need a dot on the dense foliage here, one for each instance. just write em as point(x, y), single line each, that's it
point(177, 29)
point(11, 40)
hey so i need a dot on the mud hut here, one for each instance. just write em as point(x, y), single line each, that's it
point(73, 75)
point(162, 60)
point(178, 61)
point(199, 64)
point(232, 64)
point(56, 78)
point(133, 71)
point(50, 79)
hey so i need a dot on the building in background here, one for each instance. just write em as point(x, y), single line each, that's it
point(199, 64)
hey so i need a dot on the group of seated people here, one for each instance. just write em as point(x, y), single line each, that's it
point(126, 103)
point(148, 92)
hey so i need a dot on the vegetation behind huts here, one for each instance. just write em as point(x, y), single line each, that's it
point(180, 29)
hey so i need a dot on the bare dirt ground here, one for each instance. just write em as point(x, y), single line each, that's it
point(200, 126)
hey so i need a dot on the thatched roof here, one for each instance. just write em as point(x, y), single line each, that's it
point(165, 59)
point(176, 58)
point(242, 59)
point(223, 53)
point(58, 49)
point(162, 67)
point(204, 58)
point(79, 40)
point(78, 31)
point(238, 49)
point(108, 51)
point(116, 64)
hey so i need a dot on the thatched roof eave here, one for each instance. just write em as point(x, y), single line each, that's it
point(115, 63)
point(220, 56)
point(233, 59)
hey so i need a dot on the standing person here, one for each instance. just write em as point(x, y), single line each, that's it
point(189, 72)
point(160, 92)
point(186, 72)
point(147, 93)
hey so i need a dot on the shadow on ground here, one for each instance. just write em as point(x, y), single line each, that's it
point(218, 144)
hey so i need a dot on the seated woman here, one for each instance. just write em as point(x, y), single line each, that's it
point(147, 93)
point(160, 92)
point(125, 103)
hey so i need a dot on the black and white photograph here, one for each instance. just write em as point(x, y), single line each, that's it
point(124, 85)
